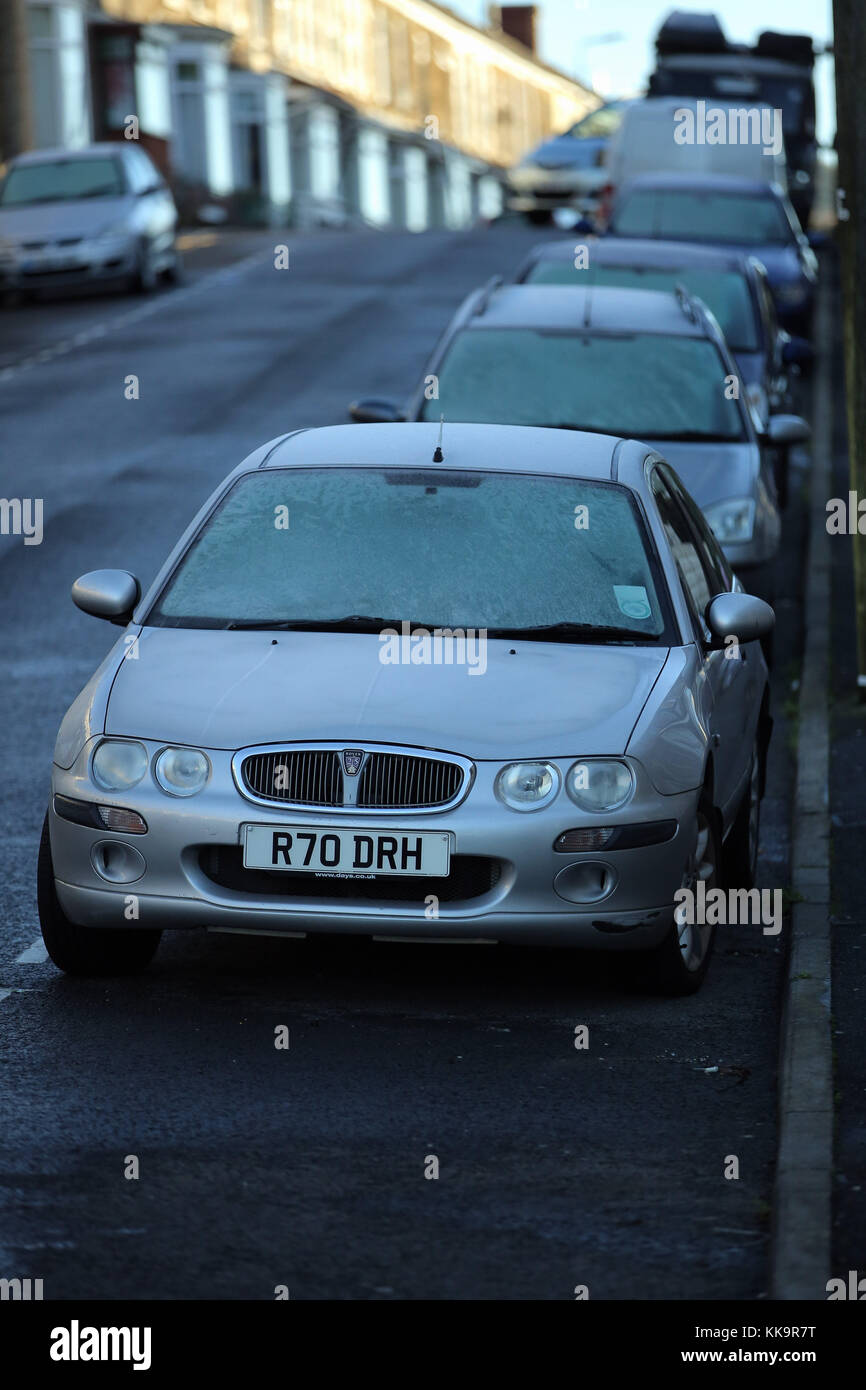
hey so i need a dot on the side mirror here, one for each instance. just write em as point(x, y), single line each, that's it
point(110, 594)
point(739, 615)
point(798, 351)
point(785, 430)
point(373, 411)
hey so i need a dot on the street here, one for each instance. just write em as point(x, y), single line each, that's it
point(559, 1166)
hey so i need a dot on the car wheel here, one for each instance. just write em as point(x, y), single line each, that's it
point(539, 217)
point(741, 847)
point(678, 965)
point(174, 273)
point(144, 277)
point(86, 950)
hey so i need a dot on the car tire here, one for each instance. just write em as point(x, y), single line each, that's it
point(144, 278)
point(677, 966)
point(86, 950)
point(741, 846)
point(174, 274)
point(539, 217)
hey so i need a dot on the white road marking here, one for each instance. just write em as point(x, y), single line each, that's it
point(34, 955)
point(4, 994)
point(224, 275)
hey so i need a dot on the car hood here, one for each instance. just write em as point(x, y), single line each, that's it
point(713, 472)
point(73, 217)
point(782, 263)
point(565, 152)
point(229, 690)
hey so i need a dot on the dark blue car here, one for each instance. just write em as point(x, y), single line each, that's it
point(741, 214)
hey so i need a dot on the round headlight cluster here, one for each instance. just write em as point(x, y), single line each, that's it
point(599, 784)
point(181, 771)
point(527, 786)
point(119, 764)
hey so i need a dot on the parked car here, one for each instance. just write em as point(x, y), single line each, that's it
point(694, 58)
point(259, 766)
point(84, 217)
point(566, 171)
point(733, 285)
point(649, 140)
point(636, 363)
point(753, 217)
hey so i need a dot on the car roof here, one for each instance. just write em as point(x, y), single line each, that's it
point(702, 183)
point(50, 156)
point(595, 307)
point(655, 255)
point(509, 448)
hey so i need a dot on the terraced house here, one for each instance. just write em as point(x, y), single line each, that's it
point(389, 112)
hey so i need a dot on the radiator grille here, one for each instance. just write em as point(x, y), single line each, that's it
point(386, 780)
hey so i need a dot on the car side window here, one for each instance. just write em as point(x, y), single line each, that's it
point(716, 568)
point(684, 550)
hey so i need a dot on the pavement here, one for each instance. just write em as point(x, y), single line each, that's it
point(305, 1167)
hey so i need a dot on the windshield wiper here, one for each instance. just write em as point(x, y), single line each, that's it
point(566, 632)
point(692, 437)
point(359, 622)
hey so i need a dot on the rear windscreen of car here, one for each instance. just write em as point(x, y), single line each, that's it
point(470, 550)
point(640, 385)
point(57, 181)
point(677, 215)
point(725, 292)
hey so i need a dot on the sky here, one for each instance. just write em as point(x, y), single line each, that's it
point(568, 31)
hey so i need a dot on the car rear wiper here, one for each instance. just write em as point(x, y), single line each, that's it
point(588, 632)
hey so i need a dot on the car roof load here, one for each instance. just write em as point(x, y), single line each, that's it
point(686, 32)
point(791, 48)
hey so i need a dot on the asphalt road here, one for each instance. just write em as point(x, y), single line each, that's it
point(305, 1167)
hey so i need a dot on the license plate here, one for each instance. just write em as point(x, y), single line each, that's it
point(356, 853)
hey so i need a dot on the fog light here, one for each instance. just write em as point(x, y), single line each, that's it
point(585, 883)
point(116, 862)
point(116, 818)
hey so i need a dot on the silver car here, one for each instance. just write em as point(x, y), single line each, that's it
point(469, 683)
point(85, 217)
point(642, 363)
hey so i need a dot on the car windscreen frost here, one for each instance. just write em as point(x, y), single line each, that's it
point(508, 551)
point(696, 216)
point(58, 181)
point(643, 386)
point(725, 292)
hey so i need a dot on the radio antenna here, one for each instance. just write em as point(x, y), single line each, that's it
point(438, 456)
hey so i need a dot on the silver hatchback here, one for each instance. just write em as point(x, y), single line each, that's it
point(85, 217)
point(475, 686)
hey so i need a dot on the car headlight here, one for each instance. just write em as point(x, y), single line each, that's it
point(181, 771)
point(115, 231)
point(527, 786)
point(119, 764)
point(599, 784)
point(732, 521)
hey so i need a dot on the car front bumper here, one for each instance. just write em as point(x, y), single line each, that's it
point(501, 885)
point(77, 268)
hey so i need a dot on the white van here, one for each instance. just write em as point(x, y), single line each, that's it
point(687, 135)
